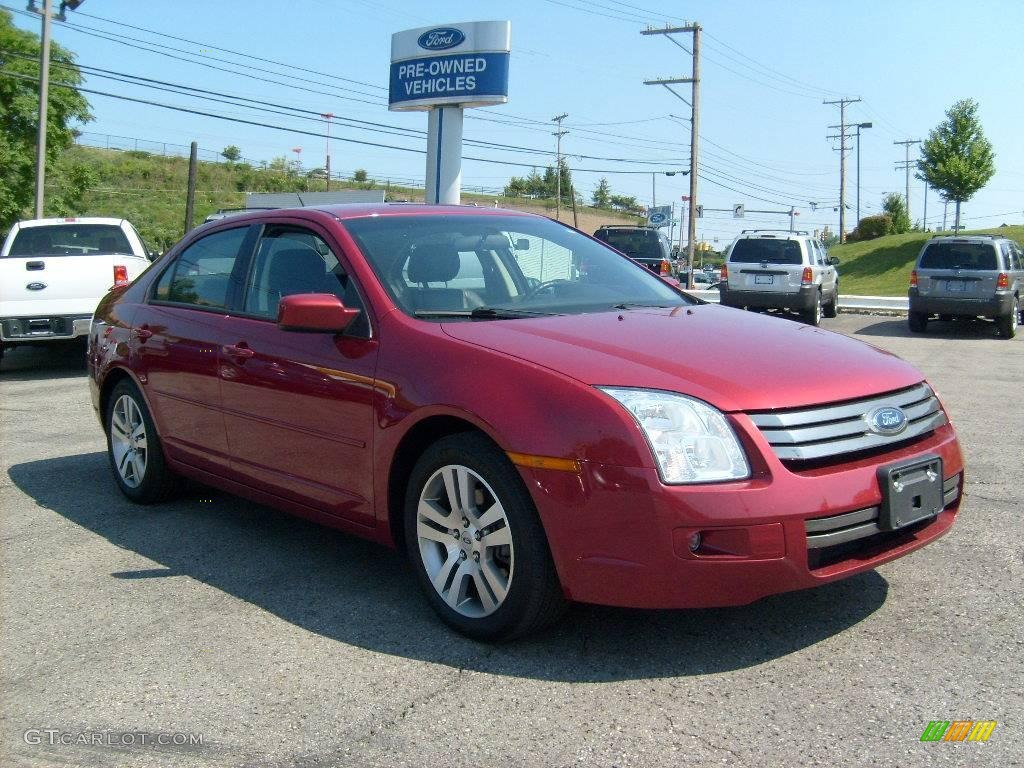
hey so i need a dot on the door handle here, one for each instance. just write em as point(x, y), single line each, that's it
point(239, 351)
point(141, 333)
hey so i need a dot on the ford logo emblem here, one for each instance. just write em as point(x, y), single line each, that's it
point(440, 39)
point(36, 286)
point(887, 420)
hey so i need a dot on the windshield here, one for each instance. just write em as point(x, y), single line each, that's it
point(70, 240)
point(442, 266)
point(636, 243)
point(751, 250)
point(959, 256)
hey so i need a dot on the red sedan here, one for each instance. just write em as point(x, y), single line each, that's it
point(529, 414)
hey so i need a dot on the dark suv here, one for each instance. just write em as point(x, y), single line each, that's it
point(968, 276)
point(644, 245)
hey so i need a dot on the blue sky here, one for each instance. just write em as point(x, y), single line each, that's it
point(767, 67)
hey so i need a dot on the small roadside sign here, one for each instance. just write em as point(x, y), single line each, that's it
point(737, 211)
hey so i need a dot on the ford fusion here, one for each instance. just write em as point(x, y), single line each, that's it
point(524, 411)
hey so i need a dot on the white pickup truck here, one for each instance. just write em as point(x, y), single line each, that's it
point(53, 273)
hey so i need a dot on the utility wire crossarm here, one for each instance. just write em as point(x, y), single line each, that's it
point(842, 136)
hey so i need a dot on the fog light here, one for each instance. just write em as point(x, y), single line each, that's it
point(694, 541)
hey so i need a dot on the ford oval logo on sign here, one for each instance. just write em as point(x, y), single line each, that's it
point(441, 39)
point(888, 420)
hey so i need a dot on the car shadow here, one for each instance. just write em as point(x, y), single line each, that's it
point(365, 595)
point(51, 360)
point(950, 329)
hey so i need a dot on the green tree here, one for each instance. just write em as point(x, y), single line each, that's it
point(895, 207)
point(602, 195)
point(231, 154)
point(360, 176)
point(956, 158)
point(19, 110)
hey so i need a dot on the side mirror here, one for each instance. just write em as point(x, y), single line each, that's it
point(522, 244)
point(314, 313)
point(833, 260)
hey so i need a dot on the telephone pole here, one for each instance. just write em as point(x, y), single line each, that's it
point(906, 165)
point(694, 104)
point(558, 163)
point(843, 149)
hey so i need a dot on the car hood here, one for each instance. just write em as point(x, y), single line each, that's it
point(733, 359)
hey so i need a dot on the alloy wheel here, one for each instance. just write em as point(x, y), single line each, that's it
point(465, 541)
point(128, 441)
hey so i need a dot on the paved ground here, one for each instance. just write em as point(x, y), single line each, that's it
point(284, 644)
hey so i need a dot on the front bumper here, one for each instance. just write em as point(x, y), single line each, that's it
point(997, 305)
point(15, 330)
point(804, 299)
point(620, 537)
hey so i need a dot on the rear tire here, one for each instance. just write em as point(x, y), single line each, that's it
point(812, 316)
point(134, 449)
point(918, 322)
point(831, 309)
point(1007, 324)
point(481, 558)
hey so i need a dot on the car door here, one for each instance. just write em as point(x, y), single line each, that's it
point(299, 406)
point(178, 333)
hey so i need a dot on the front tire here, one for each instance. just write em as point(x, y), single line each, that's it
point(134, 449)
point(831, 309)
point(476, 543)
point(1007, 324)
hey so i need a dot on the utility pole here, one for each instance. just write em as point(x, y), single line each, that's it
point(558, 163)
point(654, 195)
point(694, 104)
point(190, 197)
point(327, 154)
point(906, 165)
point(44, 100)
point(843, 149)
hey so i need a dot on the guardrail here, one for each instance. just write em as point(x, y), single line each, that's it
point(852, 303)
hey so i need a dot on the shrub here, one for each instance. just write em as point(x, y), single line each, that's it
point(871, 227)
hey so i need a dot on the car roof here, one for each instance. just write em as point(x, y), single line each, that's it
point(342, 211)
point(966, 238)
point(70, 220)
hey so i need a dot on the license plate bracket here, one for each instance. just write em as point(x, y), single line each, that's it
point(956, 286)
point(764, 279)
point(911, 492)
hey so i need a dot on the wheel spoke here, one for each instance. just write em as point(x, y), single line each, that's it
point(120, 457)
point(138, 467)
point(483, 589)
point(141, 443)
point(440, 579)
point(499, 538)
point(425, 531)
point(430, 510)
point(118, 424)
point(457, 591)
point(496, 581)
point(491, 516)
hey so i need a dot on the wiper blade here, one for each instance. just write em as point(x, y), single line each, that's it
point(640, 305)
point(498, 313)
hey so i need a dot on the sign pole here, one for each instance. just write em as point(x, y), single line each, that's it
point(444, 156)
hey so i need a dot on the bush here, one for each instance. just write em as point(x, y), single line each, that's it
point(871, 227)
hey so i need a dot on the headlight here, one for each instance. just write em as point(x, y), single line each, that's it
point(692, 442)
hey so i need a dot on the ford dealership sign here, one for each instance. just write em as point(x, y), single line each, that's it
point(441, 39)
point(458, 64)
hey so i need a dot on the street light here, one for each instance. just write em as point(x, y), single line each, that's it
point(859, 126)
point(654, 175)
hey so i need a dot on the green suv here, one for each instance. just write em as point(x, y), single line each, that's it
point(968, 276)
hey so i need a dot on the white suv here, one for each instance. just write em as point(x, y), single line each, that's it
point(774, 269)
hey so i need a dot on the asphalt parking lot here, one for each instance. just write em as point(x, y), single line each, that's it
point(278, 643)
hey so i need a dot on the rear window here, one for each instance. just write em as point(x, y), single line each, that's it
point(959, 256)
point(70, 240)
point(637, 244)
point(756, 250)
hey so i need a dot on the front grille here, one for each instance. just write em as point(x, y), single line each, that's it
point(830, 539)
point(824, 432)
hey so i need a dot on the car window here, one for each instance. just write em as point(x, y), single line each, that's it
point(453, 264)
point(70, 240)
point(635, 243)
point(1018, 257)
point(980, 256)
point(291, 260)
point(204, 274)
point(753, 250)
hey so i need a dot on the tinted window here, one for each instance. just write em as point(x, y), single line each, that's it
point(289, 261)
point(204, 273)
point(635, 243)
point(453, 264)
point(70, 240)
point(959, 256)
point(755, 250)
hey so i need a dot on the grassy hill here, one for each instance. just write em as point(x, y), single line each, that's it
point(149, 190)
point(882, 267)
